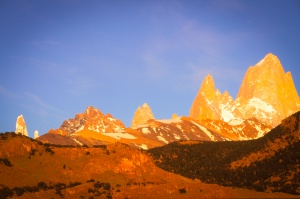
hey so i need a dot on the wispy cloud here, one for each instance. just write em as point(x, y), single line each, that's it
point(39, 101)
point(6, 92)
point(44, 44)
point(207, 46)
point(40, 107)
point(155, 65)
point(74, 79)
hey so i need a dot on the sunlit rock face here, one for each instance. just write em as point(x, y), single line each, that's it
point(211, 104)
point(267, 93)
point(142, 115)
point(36, 134)
point(21, 126)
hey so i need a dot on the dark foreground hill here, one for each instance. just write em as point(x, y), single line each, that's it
point(269, 164)
point(31, 169)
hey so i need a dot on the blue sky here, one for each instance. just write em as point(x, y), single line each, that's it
point(58, 57)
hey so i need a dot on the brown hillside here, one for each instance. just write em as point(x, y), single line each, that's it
point(115, 171)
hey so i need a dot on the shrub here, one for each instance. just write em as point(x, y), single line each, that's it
point(6, 192)
point(32, 152)
point(42, 185)
point(182, 190)
point(48, 149)
point(106, 186)
point(73, 184)
point(91, 190)
point(98, 184)
point(91, 180)
point(6, 162)
point(19, 191)
point(100, 146)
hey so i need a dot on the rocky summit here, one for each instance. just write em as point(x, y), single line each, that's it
point(267, 93)
point(92, 119)
point(142, 115)
point(36, 134)
point(21, 126)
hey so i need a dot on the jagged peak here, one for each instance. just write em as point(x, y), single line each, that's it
point(145, 105)
point(268, 58)
point(208, 80)
point(207, 88)
point(20, 116)
point(142, 115)
point(91, 109)
point(270, 62)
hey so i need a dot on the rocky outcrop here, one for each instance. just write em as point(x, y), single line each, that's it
point(174, 116)
point(21, 126)
point(142, 115)
point(36, 134)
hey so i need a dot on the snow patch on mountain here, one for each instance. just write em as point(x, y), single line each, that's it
point(170, 121)
point(226, 114)
point(177, 137)
point(146, 131)
point(143, 146)
point(236, 122)
point(260, 105)
point(77, 141)
point(119, 135)
point(162, 139)
point(207, 132)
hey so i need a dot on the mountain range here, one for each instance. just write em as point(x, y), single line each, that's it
point(267, 167)
point(263, 100)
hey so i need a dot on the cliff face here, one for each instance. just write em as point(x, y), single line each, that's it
point(205, 104)
point(267, 93)
point(211, 104)
point(267, 85)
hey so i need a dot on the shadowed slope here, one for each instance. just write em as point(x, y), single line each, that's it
point(270, 163)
